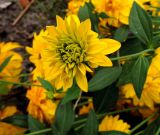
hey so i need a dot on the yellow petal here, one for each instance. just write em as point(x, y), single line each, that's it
point(111, 46)
point(101, 61)
point(8, 129)
point(82, 81)
point(82, 68)
point(10, 46)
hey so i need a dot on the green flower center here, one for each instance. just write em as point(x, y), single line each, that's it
point(71, 52)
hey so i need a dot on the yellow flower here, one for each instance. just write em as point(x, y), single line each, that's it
point(39, 44)
point(117, 10)
point(86, 108)
point(113, 123)
point(14, 67)
point(8, 129)
point(40, 107)
point(154, 5)
point(8, 111)
point(151, 91)
point(73, 48)
point(74, 5)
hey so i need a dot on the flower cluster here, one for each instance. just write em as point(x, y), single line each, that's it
point(83, 78)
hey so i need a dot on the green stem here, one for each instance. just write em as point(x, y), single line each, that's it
point(26, 84)
point(40, 131)
point(132, 55)
point(102, 115)
point(142, 123)
point(83, 103)
point(139, 133)
point(84, 120)
point(158, 132)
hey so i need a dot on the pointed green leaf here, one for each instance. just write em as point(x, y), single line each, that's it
point(83, 13)
point(121, 33)
point(139, 73)
point(153, 128)
point(5, 63)
point(46, 84)
point(72, 93)
point(103, 78)
point(34, 124)
point(64, 118)
point(140, 24)
point(106, 99)
point(91, 127)
point(17, 120)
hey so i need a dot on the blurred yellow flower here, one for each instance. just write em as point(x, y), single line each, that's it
point(151, 91)
point(114, 123)
point(86, 108)
point(155, 4)
point(116, 10)
point(8, 111)
point(14, 67)
point(146, 112)
point(72, 49)
point(74, 5)
point(8, 129)
point(39, 44)
point(40, 107)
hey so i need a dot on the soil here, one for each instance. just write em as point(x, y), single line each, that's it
point(40, 14)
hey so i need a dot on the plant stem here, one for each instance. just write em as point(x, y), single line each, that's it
point(84, 120)
point(83, 103)
point(40, 131)
point(132, 55)
point(77, 101)
point(110, 113)
point(158, 132)
point(139, 133)
point(27, 84)
point(143, 122)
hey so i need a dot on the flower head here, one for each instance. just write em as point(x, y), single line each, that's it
point(14, 67)
point(113, 123)
point(72, 49)
point(151, 91)
point(40, 106)
point(74, 5)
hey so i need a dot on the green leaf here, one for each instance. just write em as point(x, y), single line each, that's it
point(64, 118)
point(4, 88)
point(17, 120)
point(5, 63)
point(106, 99)
point(34, 124)
point(140, 24)
point(103, 78)
point(139, 73)
point(121, 33)
point(113, 133)
point(46, 84)
point(72, 93)
point(86, 12)
point(125, 76)
point(152, 129)
point(91, 126)
point(83, 13)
